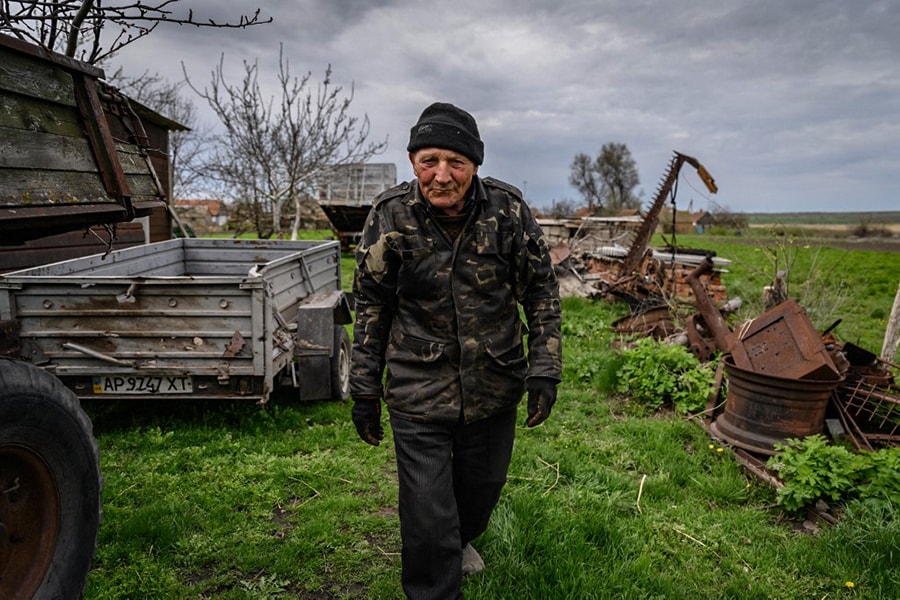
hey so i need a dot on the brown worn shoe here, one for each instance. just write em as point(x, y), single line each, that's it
point(471, 561)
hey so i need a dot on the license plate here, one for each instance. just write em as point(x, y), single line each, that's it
point(143, 384)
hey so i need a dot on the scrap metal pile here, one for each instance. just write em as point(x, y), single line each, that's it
point(781, 378)
point(787, 380)
point(611, 256)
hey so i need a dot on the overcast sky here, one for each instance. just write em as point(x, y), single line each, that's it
point(792, 105)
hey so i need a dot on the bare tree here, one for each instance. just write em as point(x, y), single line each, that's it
point(723, 216)
point(619, 173)
point(561, 209)
point(273, 148)
point(74, 27)
point(587, 181)
point(606, 183)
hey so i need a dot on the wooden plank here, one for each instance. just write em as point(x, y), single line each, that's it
point(35, 77)
point(99, 135)
point(12, 44)
point(24, 187)
point(66, 246)
point(142, 187)
point(23, 149)
point(31, 114)
point(892, 331)
point(131, 158)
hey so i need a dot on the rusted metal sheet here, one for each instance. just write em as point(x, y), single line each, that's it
point(652, 321)
point(783, 342)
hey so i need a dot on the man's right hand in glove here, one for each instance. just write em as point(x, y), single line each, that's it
point(366, 416)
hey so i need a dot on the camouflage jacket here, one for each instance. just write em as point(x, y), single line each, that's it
point(443, 317)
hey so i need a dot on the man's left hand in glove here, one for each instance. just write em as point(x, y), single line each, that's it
point(541, 398)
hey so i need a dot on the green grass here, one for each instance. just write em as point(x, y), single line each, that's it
point(825, 218)
point(230, 500)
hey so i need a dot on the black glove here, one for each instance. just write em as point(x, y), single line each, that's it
point(366, 416)
point(541, 398)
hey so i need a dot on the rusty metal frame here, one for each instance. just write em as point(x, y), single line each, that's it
point(102, 142)
point(862, 403)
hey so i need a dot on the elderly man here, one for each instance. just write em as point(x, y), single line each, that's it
point(443, 265)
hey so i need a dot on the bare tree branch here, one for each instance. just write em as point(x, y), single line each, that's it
point(588, 183)
point(607, 182)
point(274, 147)
point(74, 27)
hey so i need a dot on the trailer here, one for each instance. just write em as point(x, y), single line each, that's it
point(188, 319)
point(346, 193)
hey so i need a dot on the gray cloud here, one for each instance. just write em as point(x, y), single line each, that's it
point(791, 105)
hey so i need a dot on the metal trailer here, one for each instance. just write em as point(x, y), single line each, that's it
point(346, 193)
point(188, 319)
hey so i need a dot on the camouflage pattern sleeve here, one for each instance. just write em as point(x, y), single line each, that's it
point(374, 294)
point(538, 292)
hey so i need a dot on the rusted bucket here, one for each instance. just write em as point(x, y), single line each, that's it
point(761, 410)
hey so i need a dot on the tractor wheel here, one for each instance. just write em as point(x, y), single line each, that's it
point(50, 486)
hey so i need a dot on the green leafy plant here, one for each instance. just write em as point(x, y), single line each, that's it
point(812, 469)
point(656, 374)
point(879, 482)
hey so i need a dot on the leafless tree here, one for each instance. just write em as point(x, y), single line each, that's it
point(587, 181)
point(724, 217)
point(606, 182)
point(273, 148)
point(562, 209)
point(75, 27)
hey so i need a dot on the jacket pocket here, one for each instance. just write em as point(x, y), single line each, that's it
point(417, 264)
point(415, 348)
point(493, 242)
point(503, 371)
point(418, 375)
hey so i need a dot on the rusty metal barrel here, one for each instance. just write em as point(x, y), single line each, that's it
point(762, 410)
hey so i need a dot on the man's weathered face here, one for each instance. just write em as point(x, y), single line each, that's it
point(444, 177)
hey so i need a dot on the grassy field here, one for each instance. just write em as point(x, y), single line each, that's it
point(230, 500)
point(826, 218)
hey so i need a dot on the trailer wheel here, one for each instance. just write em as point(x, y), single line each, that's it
point(340, 364)
point(50, 486)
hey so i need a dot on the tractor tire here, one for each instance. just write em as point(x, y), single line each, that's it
point(340, 364)
point(50, 486)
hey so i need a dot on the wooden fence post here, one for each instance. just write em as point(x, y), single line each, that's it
point(892, 331)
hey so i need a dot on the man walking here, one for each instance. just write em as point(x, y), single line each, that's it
point(444, 264)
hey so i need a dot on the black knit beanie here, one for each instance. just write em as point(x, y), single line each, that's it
point(445, 126)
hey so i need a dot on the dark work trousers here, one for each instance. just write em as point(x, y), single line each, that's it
point(451, 475)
